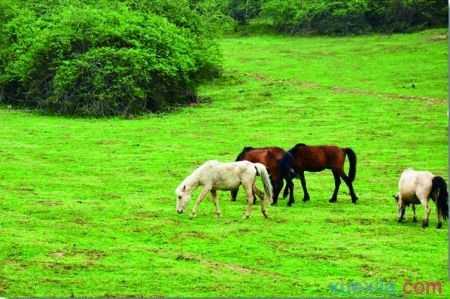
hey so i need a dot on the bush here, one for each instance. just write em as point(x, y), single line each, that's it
point(102, 61)
point(406, 15)
point(216, 14)
point(356, 16)
point(244, 10)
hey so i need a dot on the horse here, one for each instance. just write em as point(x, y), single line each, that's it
point(303, 158)
point(417, 187)
point(214, 175)
point(270, 157)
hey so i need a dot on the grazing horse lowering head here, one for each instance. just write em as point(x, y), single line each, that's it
point(418, 187)
point(396, 197)
point(214, 175)
point(183, 197)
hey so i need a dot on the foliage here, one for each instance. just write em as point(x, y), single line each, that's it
point(104, 60)
point(244, 10)
point(356, 16)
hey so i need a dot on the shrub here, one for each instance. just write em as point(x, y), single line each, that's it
point(406, 15)
point(102, 61)
point(355, 16)
point(244, 10)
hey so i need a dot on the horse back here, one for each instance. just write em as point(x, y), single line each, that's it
point(318, 158)
point(415, 184)
point(268, 156)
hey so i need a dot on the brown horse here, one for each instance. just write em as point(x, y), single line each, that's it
point(270, 157)
point(303, 158)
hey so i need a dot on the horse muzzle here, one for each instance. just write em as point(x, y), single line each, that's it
point(180, 211)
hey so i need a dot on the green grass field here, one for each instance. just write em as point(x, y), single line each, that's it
point(88, 205)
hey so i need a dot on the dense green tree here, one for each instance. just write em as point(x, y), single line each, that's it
point(103, 59)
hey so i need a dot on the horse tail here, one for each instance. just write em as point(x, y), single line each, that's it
point(287, 171)
point(243, 152)
point(439, 188)
point(352, 158)
point(265, 178)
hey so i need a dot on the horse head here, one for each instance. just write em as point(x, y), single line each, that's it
point(183, 197)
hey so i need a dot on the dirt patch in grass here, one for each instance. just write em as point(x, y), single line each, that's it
point(89, 253)
point(350, 221)
point(49, 202)
point(80, 221)
point(146, 215)
point(357, 91)
point(3, 285)
point(368, 270)
point(438, 37)
point(345, 90)
point(192, 235)
point(220, 266)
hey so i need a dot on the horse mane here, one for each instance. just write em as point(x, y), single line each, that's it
point(243, 152)
point(296, 147)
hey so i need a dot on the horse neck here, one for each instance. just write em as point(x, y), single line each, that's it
point(191, 182)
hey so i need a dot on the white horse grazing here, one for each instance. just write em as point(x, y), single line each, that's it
point(214, 175)
point(417, 187)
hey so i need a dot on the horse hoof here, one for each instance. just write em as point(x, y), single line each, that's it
point(333, 200)
point(414, 219)
point(439, 225)
point(306, 199)
point(424, 224)
point(290, 204)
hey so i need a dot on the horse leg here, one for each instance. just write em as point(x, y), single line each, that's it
point(349, 184)
point(250, 201)
point(426, 205)
point(277, 186)
point(414, 213)
point(337, 183)
point(216, 202)
point(401, 213)
point(234, 193)
point(290, 185)
point(303, 182)
point(263, 200)
point(439, 215)
point(199, 200)
point(254, 197)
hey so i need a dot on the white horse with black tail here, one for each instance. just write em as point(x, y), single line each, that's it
point(417, 187)
point(214, 175)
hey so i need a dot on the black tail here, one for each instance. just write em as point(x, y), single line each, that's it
point(352, 159)
point(287, 171)
point(440, 195)
point(242, 153)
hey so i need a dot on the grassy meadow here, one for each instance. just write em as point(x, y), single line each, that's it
point(88, 205)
